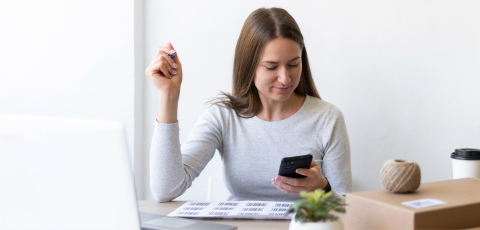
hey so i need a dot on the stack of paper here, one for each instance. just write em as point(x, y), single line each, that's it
point(234, 210)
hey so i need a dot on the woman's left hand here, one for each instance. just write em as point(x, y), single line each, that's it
point(313, 180)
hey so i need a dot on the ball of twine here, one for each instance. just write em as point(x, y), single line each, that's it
point(400, 176)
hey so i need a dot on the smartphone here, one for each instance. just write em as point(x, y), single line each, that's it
point(290, 164)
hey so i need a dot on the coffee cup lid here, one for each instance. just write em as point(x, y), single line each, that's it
point(466, 154)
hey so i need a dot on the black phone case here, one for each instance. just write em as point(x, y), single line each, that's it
point(290, 164)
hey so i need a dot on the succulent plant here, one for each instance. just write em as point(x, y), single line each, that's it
point(316, 206)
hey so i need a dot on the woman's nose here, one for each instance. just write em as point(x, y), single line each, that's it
point(284, 76)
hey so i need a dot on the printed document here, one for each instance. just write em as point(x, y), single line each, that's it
point(234, 210)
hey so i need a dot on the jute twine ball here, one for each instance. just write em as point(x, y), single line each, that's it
point(400, 176)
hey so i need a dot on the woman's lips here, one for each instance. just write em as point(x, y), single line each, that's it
point(282, 90)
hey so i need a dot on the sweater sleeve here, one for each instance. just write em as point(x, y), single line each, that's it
point(173, 167)
point(336, 161)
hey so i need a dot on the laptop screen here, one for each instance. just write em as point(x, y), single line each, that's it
point(64, 173)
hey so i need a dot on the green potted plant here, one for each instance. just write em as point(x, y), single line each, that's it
point(313, 212)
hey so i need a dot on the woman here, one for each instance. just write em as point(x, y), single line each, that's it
point(273, 112)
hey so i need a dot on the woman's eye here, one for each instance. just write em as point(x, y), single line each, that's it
point(273, 68)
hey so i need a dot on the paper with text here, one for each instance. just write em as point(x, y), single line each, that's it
point(234, 210)
point(423, 203)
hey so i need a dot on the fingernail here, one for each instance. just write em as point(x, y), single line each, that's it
point(273, 183)
point(172, 51)
point(174, 72)
point(297, 170)
point(278, 179)
point(175, 65)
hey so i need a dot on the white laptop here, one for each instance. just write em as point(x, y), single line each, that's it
point(64, 173)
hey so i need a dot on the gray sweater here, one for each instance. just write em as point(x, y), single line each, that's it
point(251, 151)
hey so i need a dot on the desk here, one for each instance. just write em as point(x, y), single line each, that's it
point(168, 207)
point(151, 206)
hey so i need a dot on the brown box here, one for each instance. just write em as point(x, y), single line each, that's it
point(381, 209)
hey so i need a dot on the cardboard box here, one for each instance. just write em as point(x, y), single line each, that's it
point(381, 209)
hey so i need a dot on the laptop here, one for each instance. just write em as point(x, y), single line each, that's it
point(65, 173)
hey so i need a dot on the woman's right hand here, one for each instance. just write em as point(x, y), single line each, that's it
point(165, 72)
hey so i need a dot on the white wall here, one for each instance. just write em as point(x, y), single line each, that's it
point(68, 59)
point(140, 156)
point(404, 73)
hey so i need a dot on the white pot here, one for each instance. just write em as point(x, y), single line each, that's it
point(337, 225)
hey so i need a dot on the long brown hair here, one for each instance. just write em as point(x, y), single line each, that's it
point(262, 26)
